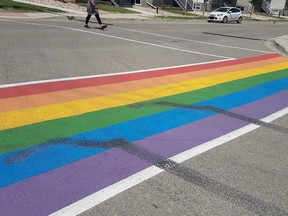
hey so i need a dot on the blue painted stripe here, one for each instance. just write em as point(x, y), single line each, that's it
point(19, 165)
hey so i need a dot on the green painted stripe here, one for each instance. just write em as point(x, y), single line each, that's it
point(30, 135)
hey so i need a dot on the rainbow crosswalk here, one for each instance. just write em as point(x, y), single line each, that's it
point(57, 137)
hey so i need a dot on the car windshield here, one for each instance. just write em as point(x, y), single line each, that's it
point(222, 9)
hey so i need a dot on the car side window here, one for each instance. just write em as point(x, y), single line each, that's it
point(235, 10)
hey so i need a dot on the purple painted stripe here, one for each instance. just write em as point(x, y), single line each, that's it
point(49, 192)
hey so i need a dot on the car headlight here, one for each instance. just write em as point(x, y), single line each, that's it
point(219, 14)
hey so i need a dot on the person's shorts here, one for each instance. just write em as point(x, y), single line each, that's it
point(93, 12)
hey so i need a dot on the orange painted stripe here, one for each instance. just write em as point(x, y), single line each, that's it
point(31, 101)
point(40, 88)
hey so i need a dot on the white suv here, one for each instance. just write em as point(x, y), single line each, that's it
point(225, 14)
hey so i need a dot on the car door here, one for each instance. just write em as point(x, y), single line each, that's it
point(235, 13)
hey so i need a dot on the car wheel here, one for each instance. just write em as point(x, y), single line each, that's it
point(225, 20)
point(239, 20)
point(209, 21)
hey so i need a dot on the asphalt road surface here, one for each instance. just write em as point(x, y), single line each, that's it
point(243, 173)
point(56, 48)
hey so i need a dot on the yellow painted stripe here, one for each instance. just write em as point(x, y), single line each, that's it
point(45, 99)
point(33, 115)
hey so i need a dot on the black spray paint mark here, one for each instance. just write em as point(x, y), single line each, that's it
point(230, 194)
point(23, 155)
point(20, 156)
point(217, 110)
point(234, 36)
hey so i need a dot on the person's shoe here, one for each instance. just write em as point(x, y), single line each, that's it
point(103, 26)
point(86, 26)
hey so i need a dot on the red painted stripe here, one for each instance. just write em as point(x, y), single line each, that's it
point(17, 91)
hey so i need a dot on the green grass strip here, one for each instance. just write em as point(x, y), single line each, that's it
point(30, 135)
point(108, 7)
point(12, 6)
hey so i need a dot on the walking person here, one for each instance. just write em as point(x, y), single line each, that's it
point(92, 9)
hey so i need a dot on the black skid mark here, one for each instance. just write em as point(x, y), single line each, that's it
point(226, 192)
point(216, 110)
point(23, 155)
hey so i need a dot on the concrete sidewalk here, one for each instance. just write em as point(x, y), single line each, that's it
point(79, 15)
point(142, 14)
point(281, 44)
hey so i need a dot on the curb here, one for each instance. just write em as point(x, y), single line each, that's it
point(280, 48)
point(281, 44)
